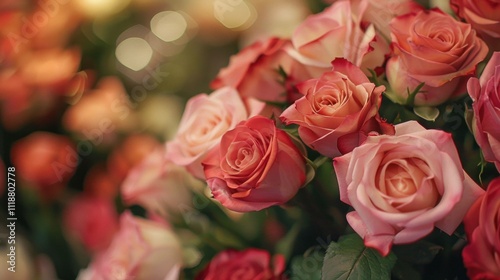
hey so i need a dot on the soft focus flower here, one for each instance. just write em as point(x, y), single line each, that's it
point(254, 71)
point(141, 249)
point(338, 110)
point(130, 153)
point(206, 118)
point(483, 230)
point(254, 167)
point(33, 86)
point(483, 15)
point(431, 47)
point(485, 93)
point(158, 185)
point(101, 113)
point(100, 182)
point(46, 161)
point(402, 186)
point(338, 32)
point(92, 220)
point(250, 264)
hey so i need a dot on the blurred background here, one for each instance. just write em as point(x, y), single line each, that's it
point(87, 89)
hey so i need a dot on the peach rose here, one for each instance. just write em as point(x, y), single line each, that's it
point(380, 13)
point(142, 249)
point(250, 264)
point(485, 93)
point(483, 15)
point(45, 161)
point(338, 110)
point(402, 186)
point(483, 230)
point(432, 47)
point(157, 184)
point(254, 71)
point(92, 221)
point(255, 166)
point(206, 118)
point(338, 32)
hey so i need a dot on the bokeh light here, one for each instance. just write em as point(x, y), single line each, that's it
point(169, 25)
point(134, 53)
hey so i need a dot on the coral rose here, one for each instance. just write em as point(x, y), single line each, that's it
point(483, 230)
point(206, 118)
point(254, 71)
point(338, 32)
point(431, 47)
point(338, 110)
point(255, 166)
point(483, 15)
point(485, 93)
point(402, 186)
point(250, 264)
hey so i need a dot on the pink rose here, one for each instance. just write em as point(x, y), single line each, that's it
point(402, 186)
point(483, 15)
point(255, 166)
point(485, 93)
point(483, 230)
point(206, 118)
point(142, 249)
point(158, 185)
point(431, 47)
point(338, 32)
point(250, 264)
point(254, 71)
point(380, 13)
point(92, 221)
point(338, 110)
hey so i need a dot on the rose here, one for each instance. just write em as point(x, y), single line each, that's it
point(254, 264)
point(206, 118)
point(483, 15)
point(46, 161)
point(91, 220)
point(255, 166)
point(433, 48)
point(158, 185)
point(380, 13)
point(337, 110)
point(402, 186)
point(142, 249)
point(338, 32)
point(254, 71)
point(482, 228)
point(485, 93)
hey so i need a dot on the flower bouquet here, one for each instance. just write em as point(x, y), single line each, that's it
point(365, 146)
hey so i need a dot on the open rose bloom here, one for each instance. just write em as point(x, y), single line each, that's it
point(433, 48)
point(402, 186)
point(338, 110)
point(254, 167)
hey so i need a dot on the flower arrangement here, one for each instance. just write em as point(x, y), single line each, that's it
point(364, 146)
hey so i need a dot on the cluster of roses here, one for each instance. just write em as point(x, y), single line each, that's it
point(402, 180)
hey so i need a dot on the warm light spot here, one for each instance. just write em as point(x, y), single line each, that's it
point(101, 8)
point(134, 53)
point(235, 14)
point(169, 25)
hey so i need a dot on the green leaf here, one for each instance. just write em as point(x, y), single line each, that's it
point(427, 113)
point(420, 252)
point(308, 267)
point(349, 259)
